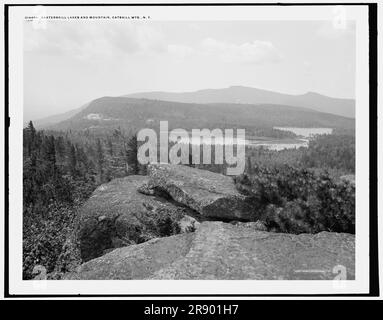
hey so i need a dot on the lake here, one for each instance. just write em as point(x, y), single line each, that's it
point(304, 134)
point(279, 144)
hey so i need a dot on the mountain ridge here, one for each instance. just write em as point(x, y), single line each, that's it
point(347, 105)
point(134, 114)
point(242, 94)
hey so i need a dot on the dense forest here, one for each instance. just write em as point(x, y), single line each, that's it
point(299, 190)
point(60, 172)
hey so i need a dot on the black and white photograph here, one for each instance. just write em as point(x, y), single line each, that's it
point(204, 143)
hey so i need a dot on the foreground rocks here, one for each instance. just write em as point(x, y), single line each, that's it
point(172, 199)
point(118, 215)
point(210, 194)
point(155, 227)
point(218, 250)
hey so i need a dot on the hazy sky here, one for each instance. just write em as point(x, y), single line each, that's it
point(70, 63)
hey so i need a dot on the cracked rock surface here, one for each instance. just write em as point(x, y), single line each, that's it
point(211, 194)
point(218, 250)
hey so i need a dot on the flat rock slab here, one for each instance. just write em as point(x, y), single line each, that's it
point(223, 251)
point(211, 194)
point(118, 215)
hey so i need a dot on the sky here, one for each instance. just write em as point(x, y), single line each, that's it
point(69, 63)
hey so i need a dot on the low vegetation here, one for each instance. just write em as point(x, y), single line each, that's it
point(296, 200)
point(299, 190)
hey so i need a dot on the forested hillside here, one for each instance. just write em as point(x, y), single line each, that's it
point(133, 114)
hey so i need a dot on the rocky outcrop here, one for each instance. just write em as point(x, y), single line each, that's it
point(117, 215)
point(135, 209)
point(210, 194)
point(156, 227)
point(218, 250)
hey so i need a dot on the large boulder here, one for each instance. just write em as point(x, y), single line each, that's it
point(212, 195)
point(222, 251)
point(118, 215)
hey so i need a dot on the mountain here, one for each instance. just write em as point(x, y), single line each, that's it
point(48, 121)
point(232, 95)
point(247, 95)
point(132, 114)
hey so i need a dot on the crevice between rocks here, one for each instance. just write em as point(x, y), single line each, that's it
point(163, 195)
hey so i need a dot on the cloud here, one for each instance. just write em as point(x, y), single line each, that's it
point(91, 40)
point(255, 52)
point(86, 40)
point(180, 51)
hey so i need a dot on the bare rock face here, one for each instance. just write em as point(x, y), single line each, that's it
point(210, 194)
point(117, 215)
point(218, 250)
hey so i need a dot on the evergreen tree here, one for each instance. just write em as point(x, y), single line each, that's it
point(30, 137)
point(100, 160)
point(72, 161)
point(60, 149)
point(131, 155)
point(50, 196)
point(83, 165)
point(49, 155)
point(110, 147)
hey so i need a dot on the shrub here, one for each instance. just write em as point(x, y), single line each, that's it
point(44, 236)
point(166, 224)
point(336, 151)
point(295, 200)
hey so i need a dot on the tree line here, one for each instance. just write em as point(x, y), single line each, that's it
point(60, 171)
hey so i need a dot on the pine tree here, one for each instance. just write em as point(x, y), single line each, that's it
point(131, 155)
point(82, 162)
point(72, 161)
point(49, 153)
point(30, 137)
point(110, 147)
point(100, 160)
point(60, 149)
